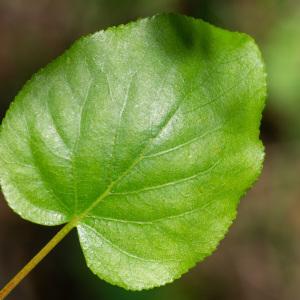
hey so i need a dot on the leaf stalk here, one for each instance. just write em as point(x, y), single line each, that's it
point(8, 288)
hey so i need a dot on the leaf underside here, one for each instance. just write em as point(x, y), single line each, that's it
point(145, 136)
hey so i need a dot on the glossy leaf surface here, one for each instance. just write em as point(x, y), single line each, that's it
point(144, 137)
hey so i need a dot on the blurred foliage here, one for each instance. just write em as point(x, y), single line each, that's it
point(282, 52)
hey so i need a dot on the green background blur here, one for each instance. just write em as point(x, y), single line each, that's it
point(260, 257)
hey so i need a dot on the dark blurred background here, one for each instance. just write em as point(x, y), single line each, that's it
point(260, 257)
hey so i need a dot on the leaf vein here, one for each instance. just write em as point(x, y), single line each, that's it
point(160, 186)
point(183, 144)
point(129, 254)
point(153, 221)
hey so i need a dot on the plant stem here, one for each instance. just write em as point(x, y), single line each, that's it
point(35, 260)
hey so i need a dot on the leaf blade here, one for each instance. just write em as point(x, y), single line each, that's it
point(145, 136)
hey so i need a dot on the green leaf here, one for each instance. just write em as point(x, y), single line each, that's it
point(144, 137)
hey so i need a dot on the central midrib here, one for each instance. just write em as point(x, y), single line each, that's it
point(76, 220)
